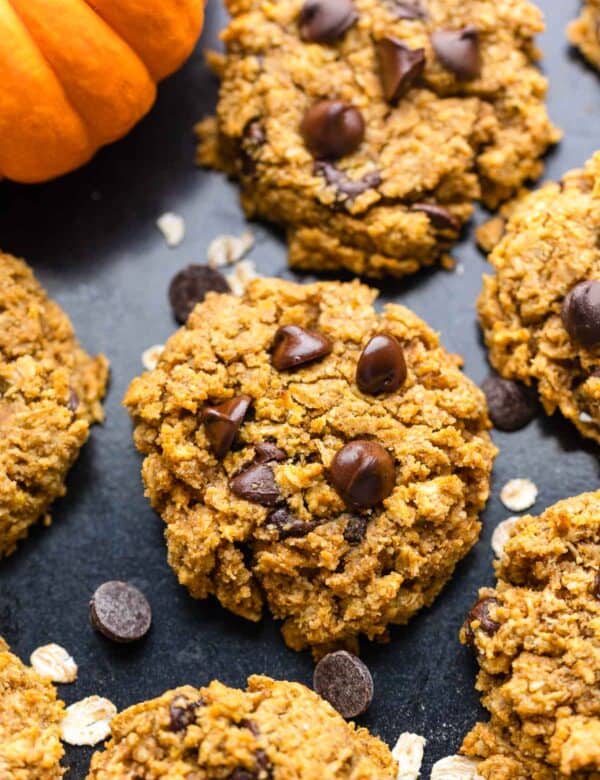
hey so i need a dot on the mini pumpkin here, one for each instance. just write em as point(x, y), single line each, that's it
point(78, 74)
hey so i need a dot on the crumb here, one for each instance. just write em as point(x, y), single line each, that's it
point(242, 273)
point(227, 249)
point(172, 226)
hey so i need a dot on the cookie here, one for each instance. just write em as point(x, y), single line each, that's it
point(50, 395)
point(30, 716)
point(537, 640)
point(539, 314)
point(368, 128)
point(282, 483)
point(272, 729)
point(584, 32)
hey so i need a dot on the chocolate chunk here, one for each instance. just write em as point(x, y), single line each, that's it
point(458, 51)
point(266, 451)
point(191, 285)
point(332, 129)
point(120, 611)
point(363, 473)
point(324, 21)
point(254, 137)
point(511, 405)
point(73, 402)
point(345, 682)
point(407, 9)
point(481, 612)
point(355, 529)
point(381, 367)
point(256, 483)
point(581, 313)
point(399, 67)
point(596, 587)
point(222, 422)
point(439, 217)
point(182, 712)
point(294, 347)
point(347, 189)
point(243, 774)
point(289, 526)
point(246, 723)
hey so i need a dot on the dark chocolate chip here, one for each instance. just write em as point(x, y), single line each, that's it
point(345, 682)
point(407, 9)
point(294, 347)
point(399, 67)
point(363, 473)
point(458, 51)
point(481, 612)
point(182, 712)
point(266, 451)
point(324, 21)
point(256, 483)
point(355, 529)
point(581, 313)
point(254, 137)
point(440, 217)
point(246, 723)
point(347, 189)
point(596, 587)
point(120, 611)
point(222, 422)
point(191, 285)
point(73, 402)
point(243, 774)
point(332, 129)
point(511, 405)
point(289, 526)
point(381, 367)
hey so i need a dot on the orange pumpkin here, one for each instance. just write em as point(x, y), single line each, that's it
point(78, 74)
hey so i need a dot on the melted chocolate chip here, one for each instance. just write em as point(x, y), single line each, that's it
point(288, 526)
point(190, 287)
point(256, 483)
point(73, 402)
point(182, 712)
point(581, 313)
point(294, 346)
point(381, 367)
point(355, 529)
point(246, 723)
point(253, 139)
point(222, 422)
point(440, 218)
point(243, 774)
point(458, 51)
point(399, 67)
point(332, 129)
point(345, 682)
point(481, 612)
point(266, 451)
point(407, 9)
point(363, 473)
point(510, 404)
point(596, 587)
point(324, 21)
point(347, 189)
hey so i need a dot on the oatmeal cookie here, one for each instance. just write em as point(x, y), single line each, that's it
point(309, 453)
point(537, 638)
point(50, 394)
point(30, 716)
point(584, 32)
point(272, 729)
point(540, 312)
point(368, 128)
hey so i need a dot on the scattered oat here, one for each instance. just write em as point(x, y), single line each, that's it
point(55, 663)
point(151, 355)
point(87, 722)
point(455, 768)
point(226, 249)
point(519, 494)
point(584, 417)
point(501, 535)
point(172, 226)
point(241, 275)
point(459, 270)
point(408, 752)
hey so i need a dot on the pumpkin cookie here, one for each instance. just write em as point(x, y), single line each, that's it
point(540, 312)
point(585, 31)
point(368, 128)
point(537, 638)
point(272, 729)
point(308, 453)
point(30, 716)
point(50, 393)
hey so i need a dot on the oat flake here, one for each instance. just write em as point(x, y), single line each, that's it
point(584, 417)
point(519, 494)
point(55, 663)
point(226, 249)
point(87, 722)
point(242, 273)
point(151, 355)
point(455, 768)
point(501, 535)
point(172, 226)
point(408, 752)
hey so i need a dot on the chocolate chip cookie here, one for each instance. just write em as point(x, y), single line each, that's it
point(537, 639)
point(313, 455)
point(30, 716)
point(50, 394)
point(540, 312)
point(584, 32)
point(272, 729)
point(368, 128)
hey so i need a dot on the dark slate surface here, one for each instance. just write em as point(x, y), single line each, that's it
point(92, 240)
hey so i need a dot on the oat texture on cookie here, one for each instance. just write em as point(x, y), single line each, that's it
point(283, 484)
point(50, 394)
point(584, 32)
point(272, 729)
point(30, 716)
point(368, 128)
point(540, 311)
point(537, 640)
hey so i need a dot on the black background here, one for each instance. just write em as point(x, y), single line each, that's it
point(92, 240)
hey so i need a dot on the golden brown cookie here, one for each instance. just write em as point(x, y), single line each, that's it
point(270, 730)
point(537, 638)
point(312, 455)
point(584, 32)
point(50, 394)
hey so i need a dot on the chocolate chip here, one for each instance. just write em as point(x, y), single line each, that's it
point(191, 285)
point(439, 217)
point(222, 422)
point(355, 529)
point(347, 189)
point(381, 367)
point(332, 129)
point(345, 682)
point(256, 483)
point(288, 525)
point(182, 712)
point(407, 9)
point(511, 405)
point(458, 51)
point(363, 473)
point(120, 611)
point(246, 723)
point(294, 347)
point(581, 313)
point(243, 774)
point(266, 451)
point(73, 402)
point(596, 587)
point(481, 612)
point(399, 67)
point(324, 21)
point(253, 138)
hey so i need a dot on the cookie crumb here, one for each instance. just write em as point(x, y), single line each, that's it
point(242, 273)
point(54, 662)
point(584, 417)
point(87, 722)
point(519, 494)
point(151, 355)
point(172, 226)
point(227, 249)
point(408, 752)
point(459, 270)
point(502, 534)
point(455, 768)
